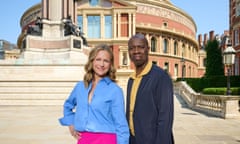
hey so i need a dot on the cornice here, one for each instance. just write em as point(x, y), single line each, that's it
point(165, 4)
point(33, 8)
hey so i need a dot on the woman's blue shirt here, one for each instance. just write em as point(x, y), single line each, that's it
point(105, 112)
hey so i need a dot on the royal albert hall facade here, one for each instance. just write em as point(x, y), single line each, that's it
point(171, 32)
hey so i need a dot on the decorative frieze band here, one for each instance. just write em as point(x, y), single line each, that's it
point(165, 13)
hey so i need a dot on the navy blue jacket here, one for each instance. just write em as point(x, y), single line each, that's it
point(153, 112)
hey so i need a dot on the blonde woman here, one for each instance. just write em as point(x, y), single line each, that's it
point(94, 111)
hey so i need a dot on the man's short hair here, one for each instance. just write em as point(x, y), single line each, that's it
point(139, 36)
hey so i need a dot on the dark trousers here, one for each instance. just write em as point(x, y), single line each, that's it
point(132, 140)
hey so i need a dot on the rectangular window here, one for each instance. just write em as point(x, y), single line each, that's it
point(94, 26)
point(80, 22)
point(238, 9)
point(108, 26)
point(124, 25)
point(236, 37)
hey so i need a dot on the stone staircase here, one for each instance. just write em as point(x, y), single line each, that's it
point(45, 84)
point(34, 92)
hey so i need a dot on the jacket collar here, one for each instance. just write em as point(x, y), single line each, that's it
point(144, 72)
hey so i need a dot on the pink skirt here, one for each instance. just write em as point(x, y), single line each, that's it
point(97, 138)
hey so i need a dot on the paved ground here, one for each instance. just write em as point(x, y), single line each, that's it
point(39, 125)
point(191, 127)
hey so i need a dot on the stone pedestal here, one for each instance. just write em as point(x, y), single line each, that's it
point(232, 107)
point(65, 50)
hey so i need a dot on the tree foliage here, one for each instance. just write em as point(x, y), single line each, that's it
point(214, 60)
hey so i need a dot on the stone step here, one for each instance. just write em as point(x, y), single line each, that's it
point(30, 89)
point(37, 83)
point(31, 102)
point(33, 99)
point(35, 92)
point(38, 96)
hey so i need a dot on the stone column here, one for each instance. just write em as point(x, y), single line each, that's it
point(102, 24)
point(44, 9)
point(119, 25)
point(130, 24)
point(69, 9)
point(85, 27)
point(160, 44)
point(134, 23)
point(52, 16)
point(114, 25)
point(55, 10)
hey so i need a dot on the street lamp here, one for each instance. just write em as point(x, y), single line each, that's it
point(228, 59)
point(183, 64)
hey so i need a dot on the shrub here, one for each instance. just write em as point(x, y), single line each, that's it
point(221, 91)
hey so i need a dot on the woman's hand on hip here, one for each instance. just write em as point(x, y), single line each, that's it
point(73, 132)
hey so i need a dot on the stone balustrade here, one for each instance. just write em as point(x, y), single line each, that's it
point(218, 105)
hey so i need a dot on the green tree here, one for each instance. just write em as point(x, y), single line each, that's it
point(214, 60)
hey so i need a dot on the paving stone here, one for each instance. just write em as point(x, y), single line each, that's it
point(39, 125)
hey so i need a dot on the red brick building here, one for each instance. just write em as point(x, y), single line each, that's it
point(171, 32)
point(234, 29)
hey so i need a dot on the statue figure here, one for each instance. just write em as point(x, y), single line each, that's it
point(36, 28)
point(71, 29)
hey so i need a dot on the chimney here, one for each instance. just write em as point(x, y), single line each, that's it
point(211, 35)
point(205, 39)
point(200, 41)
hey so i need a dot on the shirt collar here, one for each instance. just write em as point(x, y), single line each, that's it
point(106, 79)
point(146, 69)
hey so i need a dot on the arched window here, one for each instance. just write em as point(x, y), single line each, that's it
point(176, 70)
point(183, 50)
point(93, 2)
point(154, 62)
point(166, 66)
point(189, 51)
point(125, 59)
point(165, 46)
point(189, 71)
point(204, 62)
point(153, 44)
point(175, 48)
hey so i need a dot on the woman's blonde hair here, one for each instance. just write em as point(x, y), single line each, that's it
point(88, 77)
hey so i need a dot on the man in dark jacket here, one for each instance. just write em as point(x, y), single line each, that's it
point(149, 97)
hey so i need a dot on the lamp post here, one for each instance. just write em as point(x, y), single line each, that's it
point(228, 59)
point(183, 64)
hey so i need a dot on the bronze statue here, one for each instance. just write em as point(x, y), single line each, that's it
point(71, 29)
point(36, 28)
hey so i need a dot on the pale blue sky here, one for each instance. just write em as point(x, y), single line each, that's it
point(207, 14)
